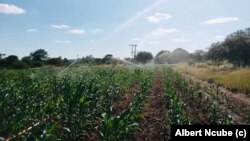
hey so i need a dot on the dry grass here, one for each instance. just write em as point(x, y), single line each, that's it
point(236, 80)
point(233, 79)
point(203, 73)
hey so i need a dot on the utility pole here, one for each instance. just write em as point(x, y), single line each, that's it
point(135, 53)
point(133, 50)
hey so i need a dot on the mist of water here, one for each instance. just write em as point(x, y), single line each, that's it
point(59, 74)
point(128, 63)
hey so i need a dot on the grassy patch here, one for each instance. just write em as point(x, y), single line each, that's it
point(236, 80)
point(233, 79)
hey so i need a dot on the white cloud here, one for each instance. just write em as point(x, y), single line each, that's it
point(62, 26)
point(32, 30)
point(136, 39)
point(157, 17)
point(220, 20)
point(162, 31)
point(77, 31)
point(10, 9)
point(154, 42)
point(62, 41)
point(181, 39)
point(97, 30)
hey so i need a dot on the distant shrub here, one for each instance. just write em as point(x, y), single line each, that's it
point(37, 64)
point(55, 61)
point(20, 65)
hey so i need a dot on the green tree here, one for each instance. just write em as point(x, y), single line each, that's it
point(238, 48)
point(144, 57)
point(179, 55)
point(235, 49)
point(88, 59)
point(199, 55)
point(39, 55)
point(107, 59)
point(55, 61)
point(27, 60)
point(20, 65)
point(10, 60)
point(217, 53)
point(162, 57)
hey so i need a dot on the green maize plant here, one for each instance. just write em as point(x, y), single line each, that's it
point(213, 113)
point(115, 128)
point(34, 107)
point(176, 114)
point(123, 126)
point(214, 116)
point(183, 84)
point(140, 96)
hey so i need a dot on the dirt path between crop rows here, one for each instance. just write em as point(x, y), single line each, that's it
point(151, 128)
point(123, 102)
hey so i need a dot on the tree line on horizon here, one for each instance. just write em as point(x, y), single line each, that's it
point(235, 49)
point(40, 58)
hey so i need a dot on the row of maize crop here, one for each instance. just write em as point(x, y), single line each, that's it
point(124, 125)
point(39, 105)
point(176, 111)
point(210, 105)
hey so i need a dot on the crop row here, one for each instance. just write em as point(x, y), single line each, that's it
point(124, 125)
point(176, 112)
point(41, 105)
point(199, 98)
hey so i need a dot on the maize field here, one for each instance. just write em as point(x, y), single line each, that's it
point(108, 104)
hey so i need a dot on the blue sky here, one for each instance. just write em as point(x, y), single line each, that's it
point(99, 27)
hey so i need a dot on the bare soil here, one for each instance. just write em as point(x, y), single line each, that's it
point(124, 101)
point(151, 127)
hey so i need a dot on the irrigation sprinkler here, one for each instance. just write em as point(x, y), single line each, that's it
point(75, 61)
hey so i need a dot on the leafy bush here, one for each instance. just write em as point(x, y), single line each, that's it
point(20, 65)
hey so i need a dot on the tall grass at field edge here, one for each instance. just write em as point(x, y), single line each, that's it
point(236, 80)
